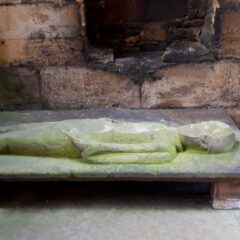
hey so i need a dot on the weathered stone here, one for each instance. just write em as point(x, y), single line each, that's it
point(99, 55)
point(184, 51)
point(197, 4)
point(75, 87)
point(153, 32)
point(38, 21)
point(190, 34)
point(209, 29)
point(229, 3)
point(166, 10)
point(41, 52)
point(197, 8)
point(57, 2)
point(230, 34)
point(235, 114)
point(193, 85)
point(2, 2)
point(19, 89)
point(186, 23)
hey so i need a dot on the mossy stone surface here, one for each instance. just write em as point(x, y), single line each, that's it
point(189, 165)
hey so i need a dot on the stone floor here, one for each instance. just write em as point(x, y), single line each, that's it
point(82, 211)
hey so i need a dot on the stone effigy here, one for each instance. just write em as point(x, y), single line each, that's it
point(109, 141)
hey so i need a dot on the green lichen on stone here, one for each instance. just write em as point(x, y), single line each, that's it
point(213, 136)
point(8, 118)
point(189, 163)
point(107, 141)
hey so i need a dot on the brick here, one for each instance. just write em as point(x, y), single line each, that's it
point(79, 87)
point(41, 52)
point(38, 21)
point(230, 34)
point(193, 85)
point(19, 89)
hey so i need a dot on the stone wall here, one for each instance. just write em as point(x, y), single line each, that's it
point(46, 62)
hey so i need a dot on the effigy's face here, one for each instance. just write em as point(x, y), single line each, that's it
point(109, 141)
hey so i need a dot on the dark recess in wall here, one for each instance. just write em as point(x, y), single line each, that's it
point(118, 24)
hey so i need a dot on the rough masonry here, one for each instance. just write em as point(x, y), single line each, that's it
point(51, 58)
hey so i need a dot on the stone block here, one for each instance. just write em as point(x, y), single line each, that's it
point(193, 85)
point(154, 32)
point(80, 87)
point(184, 51)
point(56, 2)
point(39, 21)
point(230, 34)
point(190, 34)
point(41, 52)
point(235, 114)
point(229, 3)
point(8, 2)
point(19, 88)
